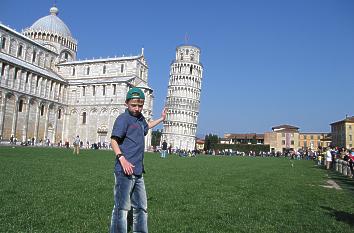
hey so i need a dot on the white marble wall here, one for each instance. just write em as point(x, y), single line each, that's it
point(183, 99)
point(54, 98)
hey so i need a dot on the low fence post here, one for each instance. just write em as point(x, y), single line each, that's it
point(345, 167)
point(340, 166)
point(349, 172)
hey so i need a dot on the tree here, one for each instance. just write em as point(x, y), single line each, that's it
point(156, 138)
point(211, 141)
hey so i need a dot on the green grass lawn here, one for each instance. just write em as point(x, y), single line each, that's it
point(51, 190)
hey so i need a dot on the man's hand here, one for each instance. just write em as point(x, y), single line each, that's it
point(152, 124)
point(163, 114)
point(127, 166)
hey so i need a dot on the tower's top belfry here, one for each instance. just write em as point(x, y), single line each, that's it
point(187, 53)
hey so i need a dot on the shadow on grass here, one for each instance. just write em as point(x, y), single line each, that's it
point(343, 181)
point(340, 215)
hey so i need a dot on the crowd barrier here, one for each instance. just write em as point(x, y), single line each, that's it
point(342, 167)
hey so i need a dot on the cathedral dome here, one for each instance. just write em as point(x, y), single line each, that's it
point(51, 23)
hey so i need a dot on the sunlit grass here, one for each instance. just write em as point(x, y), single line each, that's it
point(51, 190)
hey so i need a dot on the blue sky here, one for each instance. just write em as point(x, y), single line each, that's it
point(266, 62)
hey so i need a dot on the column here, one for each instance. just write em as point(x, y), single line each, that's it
point(44, 88)
point(28, 84)
point(18, 82)
point(47, 94)
point(54, 91)
point(32, 83)
point(65, 94)
point(25, 126)
point(55, 125)
point(2, 113)
point(39, 86)
point(46, 122)
point(14, 119)
point(36, 126)
point(64, 133)
point(8, 73)
point(15, 81)
point(1, 65)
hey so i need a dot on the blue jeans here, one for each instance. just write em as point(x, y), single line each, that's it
point(163, 153)
point(129, 191)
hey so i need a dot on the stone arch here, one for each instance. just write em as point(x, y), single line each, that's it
point(115, 112)
point(104, 110)
point(33, 112)
point(10, 100)
point(93, 110)
point(73, 111)
point(83, 110)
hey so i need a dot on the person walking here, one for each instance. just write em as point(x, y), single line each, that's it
point(76, 145)
point(164, 149)
point(328, 158)
point(127, 142)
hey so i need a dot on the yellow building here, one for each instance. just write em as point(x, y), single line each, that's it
point(342, 132)
point(282, 138)
point(199, 144)
point(314, 141)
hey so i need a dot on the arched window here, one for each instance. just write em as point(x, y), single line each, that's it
point(104, 69)
point(15, 74)
point(84, 118)
point(19, 51)
point(2, 69)
point(114, 89)
point(88, 70)
point(20, 106)
point(3, 42)
point(74, 71)
point(59, 113)
point(121, 68)
point(42, 110)
point(34, 56)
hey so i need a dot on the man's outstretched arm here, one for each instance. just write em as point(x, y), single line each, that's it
point(152, 124)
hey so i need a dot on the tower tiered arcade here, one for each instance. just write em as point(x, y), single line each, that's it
point(183, 99)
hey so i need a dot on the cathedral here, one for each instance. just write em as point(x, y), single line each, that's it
point(46, 94)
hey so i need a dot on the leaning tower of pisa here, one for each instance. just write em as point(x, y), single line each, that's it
point(183, 99)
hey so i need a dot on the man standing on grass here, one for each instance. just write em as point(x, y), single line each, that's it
point(76, 145)
point(128, 144)
point(164, 149)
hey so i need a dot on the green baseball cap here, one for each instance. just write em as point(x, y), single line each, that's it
point(135, 93)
